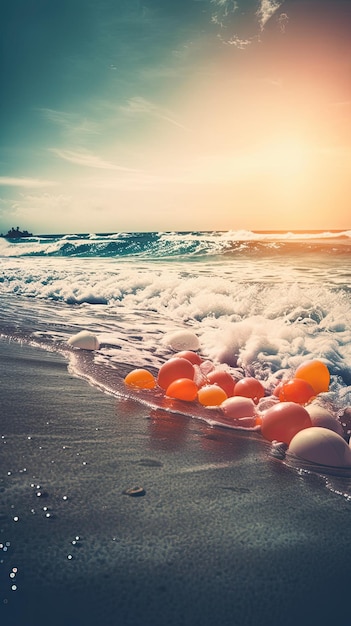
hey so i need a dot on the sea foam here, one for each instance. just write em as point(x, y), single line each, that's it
point(261, 302)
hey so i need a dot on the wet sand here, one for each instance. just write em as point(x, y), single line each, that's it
point(223, 533)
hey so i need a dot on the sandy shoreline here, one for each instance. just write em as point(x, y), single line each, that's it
point(224, 533)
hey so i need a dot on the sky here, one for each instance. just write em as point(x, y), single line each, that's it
point(151, 115)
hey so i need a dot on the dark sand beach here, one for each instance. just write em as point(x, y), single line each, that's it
point(224, 533)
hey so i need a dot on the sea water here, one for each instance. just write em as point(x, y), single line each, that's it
point(260, 303)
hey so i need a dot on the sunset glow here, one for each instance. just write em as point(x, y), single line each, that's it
point(216, 117)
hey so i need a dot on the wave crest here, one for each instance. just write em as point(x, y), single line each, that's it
point(179, 245)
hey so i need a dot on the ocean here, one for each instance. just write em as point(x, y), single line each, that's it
point(260, 303)
point(226, 523)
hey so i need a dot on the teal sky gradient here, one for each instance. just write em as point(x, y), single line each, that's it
point(163, 115)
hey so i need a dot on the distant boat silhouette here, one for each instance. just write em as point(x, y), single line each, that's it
point(16, 233)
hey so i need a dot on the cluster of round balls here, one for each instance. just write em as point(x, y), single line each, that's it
point(310, 431)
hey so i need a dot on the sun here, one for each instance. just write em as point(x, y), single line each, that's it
point(287, 157)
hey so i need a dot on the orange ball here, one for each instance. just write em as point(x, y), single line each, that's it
point(211, 395)
point(283, 420)
point(296, 390)
point(249, 388)
point(173, 369)
point(141, 378)
point(316, 374)
point(182, 389)
point(194, 358)
point(222, 379)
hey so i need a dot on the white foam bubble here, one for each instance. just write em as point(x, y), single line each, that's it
point(84, 340)
point(240, 316)
point(182, 340)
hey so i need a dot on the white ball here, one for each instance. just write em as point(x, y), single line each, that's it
point(322, 446)
point(322, 417)
point(84, 340)
point(182, 340)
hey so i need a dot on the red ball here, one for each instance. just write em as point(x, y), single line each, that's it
point(222, 379)
point(276, 390)
point(193, 357)
point(249, 388)
point(183, 389)
point(296, 390)
point(173, 369)
point(283, 420)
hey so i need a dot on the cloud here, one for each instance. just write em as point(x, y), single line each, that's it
point(266, 10)
point(226, 6)
point(86, 159)
point(224, 9)
point(238, 42)
point(41, 201)
point(141, 106)
point(12, 181)
point(71, 122)
point(38, 210)
point(235, 23)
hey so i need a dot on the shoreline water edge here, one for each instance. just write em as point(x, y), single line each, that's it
point(258, 304)
point(222, 518)
point(220, 521)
